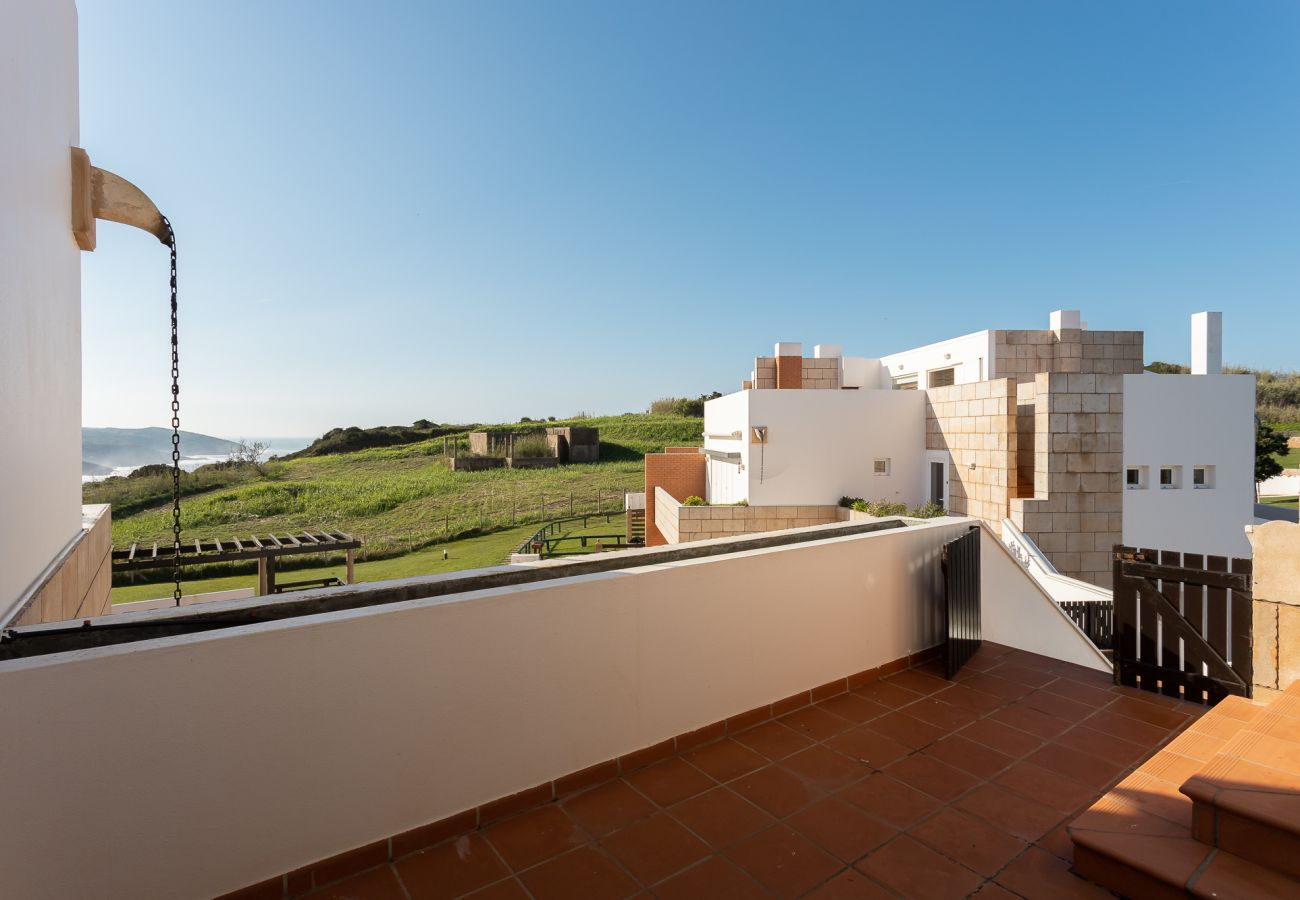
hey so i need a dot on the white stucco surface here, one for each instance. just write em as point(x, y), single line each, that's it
point(40, 292)
point(821, 446)
point(1191, 420)
point(187, 767)
point(970, 355)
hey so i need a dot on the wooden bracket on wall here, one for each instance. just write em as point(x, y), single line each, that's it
point(98, 194)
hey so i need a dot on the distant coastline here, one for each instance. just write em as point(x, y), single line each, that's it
point(108, 452)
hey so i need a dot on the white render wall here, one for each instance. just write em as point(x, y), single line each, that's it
point(1191, 420)
point(191, 766)
point(821, 446)
point(971, 355)
point(40, 292)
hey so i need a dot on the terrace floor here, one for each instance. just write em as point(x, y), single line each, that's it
point(909, 786)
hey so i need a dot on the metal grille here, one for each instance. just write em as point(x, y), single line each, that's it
point(961, 580)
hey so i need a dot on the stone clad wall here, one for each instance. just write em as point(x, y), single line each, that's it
point(82, 583)
point(698, 523)
point(821, 374)
point(1276, 609)
point(976, 424)
point(1023, 354)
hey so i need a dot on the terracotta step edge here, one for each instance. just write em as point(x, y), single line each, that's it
point(1269, 882)
point(1129, 852)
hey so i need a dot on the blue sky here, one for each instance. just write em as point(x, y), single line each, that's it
point(480, 210)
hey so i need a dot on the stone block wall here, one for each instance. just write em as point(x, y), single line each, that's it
point(81, 585)
point(976, 424)
point(698, 523)
point(794, 373)
point(1075, 515)
point(1275, 611)
point(765, 373)
point(821, 374)
point(1023, 354)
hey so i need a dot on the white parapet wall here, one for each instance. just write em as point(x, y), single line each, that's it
point(189, 766)
point(40, 294)
point(1185, 422)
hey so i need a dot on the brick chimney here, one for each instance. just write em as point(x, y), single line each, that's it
point(789, 365)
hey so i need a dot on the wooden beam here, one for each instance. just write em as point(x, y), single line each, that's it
point(134, 547)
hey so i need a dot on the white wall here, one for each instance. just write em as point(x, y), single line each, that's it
point(725, 482)
point(186, 767)
point(967, 354)
point(40, 292)
point(821, 445)
point(1191, 420)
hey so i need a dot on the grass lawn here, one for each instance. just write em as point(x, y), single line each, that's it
point(1287, 502)
point(1290, 459)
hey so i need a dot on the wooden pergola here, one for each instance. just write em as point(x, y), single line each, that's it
point(266, 549)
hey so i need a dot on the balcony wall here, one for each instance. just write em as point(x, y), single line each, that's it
point(190, 766)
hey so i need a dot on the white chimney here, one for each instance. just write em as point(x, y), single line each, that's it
point(788, 348)
point(1064, 318)
point(827, 351)
point(1207, 343)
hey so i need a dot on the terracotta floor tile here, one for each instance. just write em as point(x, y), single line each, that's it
point(850, 885)
point(907, 730)
point(815, 723)
point(655, 848)
point(941, 714)
point(1014, 814)
point(938, 779)
point(451, 869)
point(1033, 677)
point(1003, 738)
point(527, 839)
point(713, 879)
point(1109, 747)
point(375, 884)
point(784, 861)
point(1231, 876)
point(774, 740)
point(971, 699)
point(725, 759)
point(824, 768)
point(918, 682)
point(607, 808)
point(1030, 721)
point(1153, 713)
point(1089, 770)
point(1058, 843)
point(721, 817)
point(510, 889)
point(890, 800)
point(775, 790)
point(994, 891)
point(854, 708)
point(990, 683)
point(1038, 873)
point(970, 841)
point(584, 872)
point(1055, 705)
point(913, 870)
point(670, 781)
point(979, 760)
point(887, 694)
point(1096, 697)
point(868, 747)
point(1063, 794)
point(841, 828)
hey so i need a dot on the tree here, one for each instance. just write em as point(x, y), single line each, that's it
point(1269, 444)
point(423, 424)
point(250, 453)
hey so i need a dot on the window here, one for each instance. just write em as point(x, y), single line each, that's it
point(941, 377)
point(880, 467)
point(1135, 478)
point(1171, 478)
point(1202, 477)
point(905, 383)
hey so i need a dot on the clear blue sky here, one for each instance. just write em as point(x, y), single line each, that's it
point(482, 210)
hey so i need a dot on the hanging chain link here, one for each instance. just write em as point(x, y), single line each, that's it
point(176, 430)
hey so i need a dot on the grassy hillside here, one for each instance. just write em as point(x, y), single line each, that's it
point(397, 499)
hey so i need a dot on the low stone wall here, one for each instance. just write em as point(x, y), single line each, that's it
point(475, 463)
point(1276, 608)
point(698, 523)
point(80, 585)
point(532, 462)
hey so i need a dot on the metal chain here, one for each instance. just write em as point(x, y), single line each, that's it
point(176, 430)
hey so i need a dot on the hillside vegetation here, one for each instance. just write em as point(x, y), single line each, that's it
point(397, 499)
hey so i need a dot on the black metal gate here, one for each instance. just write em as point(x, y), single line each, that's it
point(961, 583)
point(1183, 624)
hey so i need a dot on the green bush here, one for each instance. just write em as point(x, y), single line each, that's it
point(850, 502)
point(742, 503)
point(531, 446)
point(928, 511)
point(879, 507)
point(693, 500)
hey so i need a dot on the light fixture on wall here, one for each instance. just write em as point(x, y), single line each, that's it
point(947, 356)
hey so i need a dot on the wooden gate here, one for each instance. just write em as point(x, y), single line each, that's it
point(1183, 624)
point(961, 583)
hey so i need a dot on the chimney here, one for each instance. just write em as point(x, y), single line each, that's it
point(789, 365)
point(1207, 343)
point(1064, 318)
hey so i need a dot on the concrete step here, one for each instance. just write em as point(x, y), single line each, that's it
point(1246, 800)
point(1138, 839)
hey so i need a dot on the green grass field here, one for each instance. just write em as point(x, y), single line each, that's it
point(1290, 459)
point(1287, 502)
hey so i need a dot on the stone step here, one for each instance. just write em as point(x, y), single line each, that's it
point(1137, 840)
point(1246, 800)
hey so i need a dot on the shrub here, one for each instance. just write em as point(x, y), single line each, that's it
point(693, 500)
point(531, 446)
point(879, 507)
point(928, 511)
point(683, 406)
point(850, 502)
point(742, 503)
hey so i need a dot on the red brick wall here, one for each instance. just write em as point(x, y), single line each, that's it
point(789, 372)
point(680, 472)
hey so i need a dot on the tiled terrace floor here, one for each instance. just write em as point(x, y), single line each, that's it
point(910, 786)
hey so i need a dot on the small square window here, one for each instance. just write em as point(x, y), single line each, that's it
point(1202, 477)
point(1171, 478)
point(941, 377)
point(880, 467)
point(1135, 478)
